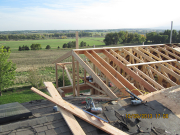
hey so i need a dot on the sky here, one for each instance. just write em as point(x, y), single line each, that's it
point(88, 14)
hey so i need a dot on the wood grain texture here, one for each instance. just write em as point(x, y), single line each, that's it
point(81, 114)
point(68, 117)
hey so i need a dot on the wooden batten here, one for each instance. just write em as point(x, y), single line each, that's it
point(68, 117)
point(81, 114)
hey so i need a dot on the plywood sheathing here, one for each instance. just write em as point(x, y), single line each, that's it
point(169, 97)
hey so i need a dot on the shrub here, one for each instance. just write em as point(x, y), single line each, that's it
point(66, 80)
point(48, 47)
point(24, 47)
point(35, 78)
point(35, 47)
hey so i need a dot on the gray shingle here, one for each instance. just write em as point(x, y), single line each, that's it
point(90, 128)
point(55, 125)
point(57, 130)
point(64, 129)
point(54, 117)
point(25, 132)
point(40, 129)
point(50, 132)
point(42, 133)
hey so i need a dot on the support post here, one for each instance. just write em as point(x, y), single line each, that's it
point(63, 77)
point(77, 47)
point(56, 75)
point(74, 85)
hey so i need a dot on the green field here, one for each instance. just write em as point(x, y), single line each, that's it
point(54, 43)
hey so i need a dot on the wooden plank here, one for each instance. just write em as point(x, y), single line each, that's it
point(143, 82)
point(73, 73)
point(96, 88)
point(77, 79)
point(68, 54)
point(77, 45)
point(68, 89)
point(117, 75)
point(63, 77)
point(106, 72)
point(83, 115)
point(154, 70)
point(68, 117)
point(70, 79)
point(167, 70)
point(148, 63)
point(95, 77)
point(56, 76)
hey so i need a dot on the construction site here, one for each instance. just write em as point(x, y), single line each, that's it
point(133, 90)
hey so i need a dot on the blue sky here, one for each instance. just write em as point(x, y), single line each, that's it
point(87, 14)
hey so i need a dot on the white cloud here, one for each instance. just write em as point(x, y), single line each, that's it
point(91, 15)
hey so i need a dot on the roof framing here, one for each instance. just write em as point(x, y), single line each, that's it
point(137, 68)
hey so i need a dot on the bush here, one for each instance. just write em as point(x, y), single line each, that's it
point(66, 80)
point(35, 78)
point(6, 48)
point(24, 47)
point(35, 47)
point(48, 47)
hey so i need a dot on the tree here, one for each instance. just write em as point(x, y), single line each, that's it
point(35, 47)
point(82, 44)
point(7, 70)
point(64, 45)
point(48, 47)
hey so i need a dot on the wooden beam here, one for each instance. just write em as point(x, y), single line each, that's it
point(77, 45)
point(148, 63)
point(95, 77)
point(143, 82)
point(73, 73)
point(117, 75)
point(72, 82)
point(68, 54)
point(77, 70)
point(106, 72)
point(154, 70)
point(96, 88)
point(56, 76)
point(69, 89)
point(63, 77)
point(167, 70)
point(68, 117)
point(81, 114)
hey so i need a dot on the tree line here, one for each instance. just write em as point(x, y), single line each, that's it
point(72, 44)
point(42, 36)
point(123, 37)
point(163, 37)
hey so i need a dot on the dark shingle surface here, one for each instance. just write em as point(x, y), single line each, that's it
point(44, 122)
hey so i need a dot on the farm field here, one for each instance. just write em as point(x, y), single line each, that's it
point(54, 43)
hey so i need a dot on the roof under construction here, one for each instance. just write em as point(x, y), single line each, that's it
point(150, 73)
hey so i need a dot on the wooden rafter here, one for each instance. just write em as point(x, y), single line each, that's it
point(105, 71)
point(95, 77)
point(128, 70)
point(122, 79)
point(68, 54)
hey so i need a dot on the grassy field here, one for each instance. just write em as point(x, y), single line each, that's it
point(22, 95)
point(54, 43)
point(41, 60)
